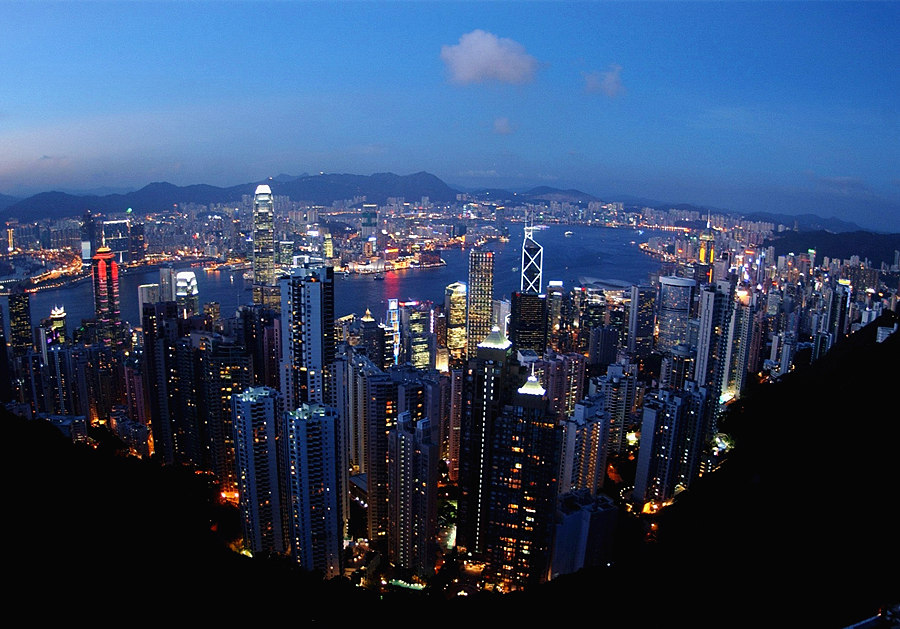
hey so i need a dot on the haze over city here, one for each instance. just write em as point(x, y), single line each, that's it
point(749, 107)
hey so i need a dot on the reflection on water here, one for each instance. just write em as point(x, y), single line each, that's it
point(592, 252)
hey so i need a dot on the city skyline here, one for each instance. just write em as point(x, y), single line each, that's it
point(748, 107)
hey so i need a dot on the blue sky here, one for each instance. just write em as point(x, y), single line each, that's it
point(747, 106)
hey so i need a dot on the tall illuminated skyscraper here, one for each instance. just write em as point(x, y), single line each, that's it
point(455, 309)
point(479, 299)
point(186, 294)
point(315, 481)
point(256, 414)
point(532, 263)
point(307, 338)
point(105, 273)
point(673, 311)
point(263, 243)
point(528, 308)
point(20, 335)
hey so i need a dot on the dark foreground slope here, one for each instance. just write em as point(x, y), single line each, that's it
point(796, 528)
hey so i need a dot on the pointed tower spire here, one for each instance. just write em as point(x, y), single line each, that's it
point(532, 259)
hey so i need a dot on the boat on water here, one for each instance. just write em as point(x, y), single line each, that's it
point(378, 276)
point(569, 234)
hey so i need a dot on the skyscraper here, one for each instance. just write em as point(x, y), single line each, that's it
point(528, 322)
point(256, 414)
point(186, 294)
point(20, 335)
point(307, 338)
point(413, 477)
point(105, 273)
point(532, 263)
point(522, 486)
point(315, 484)
point(674, 310)
point(487, 388)
point(455, 308)
point(640, 320)
point(528, 308)
point(479, 299)
point(263, 244)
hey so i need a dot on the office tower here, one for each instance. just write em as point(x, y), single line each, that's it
point(286, 253)
point(263, 237)
point(88, 238)
point(412, 478)
point(526, 442)
point(641, 318)
point(479, 299)
point(711, 369)
point(592, 313)
point(381, 414)
point(352, 372)
point(138, 244)
point(166, 283)
point(58, 376)
point(105, 274)
point(555, 297)
point(677, 367)
point(488, 385)
point(223, 369)
point(440, 327)
point(562, 375)
point(136, 397)
point(417, 338)
point(147, 294)
point(528, 322)
point(372, 340)
point(315, 476)
point(186, 294)
point(20, 333)
point(369, 222)
point(259, 330)
point(454, 422)
point(672, 440)
point(737, 353)
point(455, 299)
point(619, 386)
point(117, 238)
point(392, 333)
point(264, 288)
point(257, 440)
point(385, 395)
point(673, 311)
point(585, 447)
point(604, 346)
point(707, 254)
point(584, 533)
point(161, 331)
point(58, 332)
point(307, 337)
point(532, 263)
point(838, 305)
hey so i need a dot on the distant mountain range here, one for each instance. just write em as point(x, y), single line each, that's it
point(324, 189)
point(6, 201)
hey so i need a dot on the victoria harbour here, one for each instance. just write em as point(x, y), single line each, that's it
point(589, 254)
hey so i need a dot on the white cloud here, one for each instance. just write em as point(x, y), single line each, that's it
point(482, 57)
point(502, 126)
point(608, 83)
